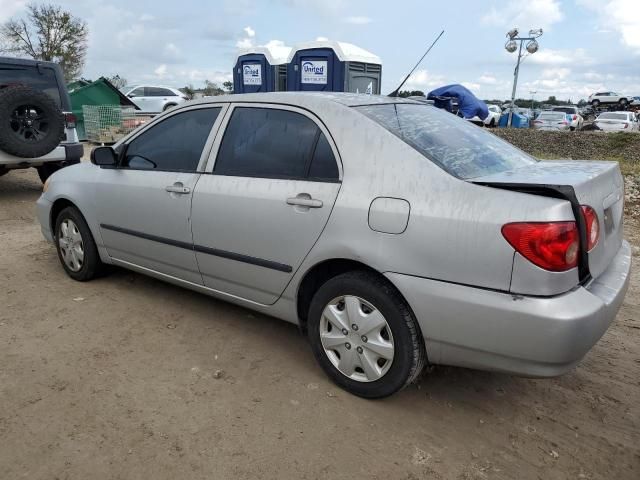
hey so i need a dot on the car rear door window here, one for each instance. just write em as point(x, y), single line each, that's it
point(158, 92)
point(174, 144)
point(323, 164)
point(138, 92)
point(267, 143)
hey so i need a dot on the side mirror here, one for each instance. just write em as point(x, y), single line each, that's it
point(104, 157)
point(131, 95)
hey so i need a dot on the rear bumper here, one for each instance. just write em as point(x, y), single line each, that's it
point(65, 152)
point(530, 336)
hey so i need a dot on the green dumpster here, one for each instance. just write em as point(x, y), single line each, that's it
point(100, 92)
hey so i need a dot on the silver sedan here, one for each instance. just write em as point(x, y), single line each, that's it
point(393, 233)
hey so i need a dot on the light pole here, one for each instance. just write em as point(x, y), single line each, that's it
point(532, 98)
point(511, 46)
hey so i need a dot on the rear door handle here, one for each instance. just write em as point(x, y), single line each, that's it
point(178, 187)
point(304, 201)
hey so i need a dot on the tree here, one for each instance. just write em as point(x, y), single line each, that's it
point(228, 86)
point(48, 33)
point(211, 89)
point(189, 91)
point(117, 81)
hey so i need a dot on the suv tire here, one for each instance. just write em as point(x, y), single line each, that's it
point(595, 103)
point(381, 319)
point(36, 124)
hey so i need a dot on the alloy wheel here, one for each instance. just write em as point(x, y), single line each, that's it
point(29, 123)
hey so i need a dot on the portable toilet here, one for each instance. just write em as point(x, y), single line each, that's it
point(261, 69)
point(328, 66)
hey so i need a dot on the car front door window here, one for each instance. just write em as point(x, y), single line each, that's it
point(175, 144)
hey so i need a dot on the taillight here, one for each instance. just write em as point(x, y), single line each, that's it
point(593, 227)
point(625, 125)
point(70, 120)
point(575, 117)
point(553, 246)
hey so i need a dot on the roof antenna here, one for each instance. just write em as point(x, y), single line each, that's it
point(397, 90)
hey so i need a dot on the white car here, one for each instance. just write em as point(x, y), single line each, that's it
point(596, 99)
point(618, 122)
point(573, 116)
point(492, 120)
point(154, 99)
point(550, 120)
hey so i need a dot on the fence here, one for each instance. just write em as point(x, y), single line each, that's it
point(109, 123)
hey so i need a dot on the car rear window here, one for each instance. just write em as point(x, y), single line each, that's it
point(565, 109)
point(551, 116)
point(613, 116)
point(457, 146)
point(43, 79)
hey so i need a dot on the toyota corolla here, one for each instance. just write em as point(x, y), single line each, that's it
point(393, 233)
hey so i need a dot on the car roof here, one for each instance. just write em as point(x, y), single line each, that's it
point(307, 98)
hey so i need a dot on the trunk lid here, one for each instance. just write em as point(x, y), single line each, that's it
point(597, 184)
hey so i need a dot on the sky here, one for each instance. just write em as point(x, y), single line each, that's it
point(587, 45)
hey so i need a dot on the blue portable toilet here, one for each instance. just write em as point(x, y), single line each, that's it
point(261, 69)
point(328, 66)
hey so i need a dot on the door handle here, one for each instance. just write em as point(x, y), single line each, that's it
point(177, 187)
point(304, 200)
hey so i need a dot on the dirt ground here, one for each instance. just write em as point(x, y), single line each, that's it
point(130, 378)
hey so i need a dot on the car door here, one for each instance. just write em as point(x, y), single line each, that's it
point(144, 204)
point(137, 97)
point(273, 182)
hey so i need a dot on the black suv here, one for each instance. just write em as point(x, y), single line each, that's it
point(38, 129)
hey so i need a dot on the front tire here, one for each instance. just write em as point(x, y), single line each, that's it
point(595, 103)
point(364, 335)
point(76, 248)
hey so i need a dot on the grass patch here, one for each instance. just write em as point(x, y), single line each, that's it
point(620, 140)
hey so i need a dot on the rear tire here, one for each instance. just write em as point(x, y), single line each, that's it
point(623, 102)
point(32, 123)
point(384, 327)
point(168, 106)
point(76, 248)
point(595, 103)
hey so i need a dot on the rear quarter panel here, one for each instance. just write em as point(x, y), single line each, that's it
point(454, 229)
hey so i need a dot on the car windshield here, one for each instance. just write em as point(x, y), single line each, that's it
point(459, 147)
point(613, 116)
point(551, 116)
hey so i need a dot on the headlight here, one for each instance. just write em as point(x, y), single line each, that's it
point(45, 187)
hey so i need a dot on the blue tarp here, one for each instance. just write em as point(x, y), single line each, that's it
point(468, 104)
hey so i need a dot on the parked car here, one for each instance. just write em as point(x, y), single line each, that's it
point(492, 120)
point(635, 101)
point(393, 233)
point(550, 120)
point(573, 117)
point(38, 129)
point(617, 122)
point(596, 99)
point(154, 99)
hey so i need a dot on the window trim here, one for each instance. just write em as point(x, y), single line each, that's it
point(213, 154)
point(204, 155)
